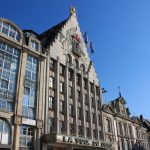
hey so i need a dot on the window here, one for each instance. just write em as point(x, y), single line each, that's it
point(79, 113)
point(87, 132)
point(9, 31)
point(126, 145)
point(70, 91)
point(93, 118)
point(62, 70)
point(51, 103)
point(34, 45)
point(86, 115)
point(85, 83)
point(9, 63)
point(120, 128)
point(107, 125)
point(71, 128)
point(61, 126)
point(4, 132)
point(78, 95)
point(78, 80)
point(80, 130)
point(30, 88)
point(125, 129)
point(92, 87)
point(61, 87)
point(69, 59)
point(130, 131)
point(85, 99)
point(26, 136)
point(51, 125)
point(76, 63)
point(71, 110)
point(70, 75)
point(61, 106)
point(51, 82)
point(99, 119)
point(52, 64)
point(92, 100)
point(94, 133)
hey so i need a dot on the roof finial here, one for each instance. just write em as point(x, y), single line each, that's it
point(72, 11)
point(119, 91)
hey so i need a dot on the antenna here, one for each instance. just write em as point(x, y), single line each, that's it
point(119, 91)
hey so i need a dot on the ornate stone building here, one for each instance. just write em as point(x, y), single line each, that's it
point(123, 131)
point(49, 90)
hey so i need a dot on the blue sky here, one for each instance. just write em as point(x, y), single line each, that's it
point(120, 31)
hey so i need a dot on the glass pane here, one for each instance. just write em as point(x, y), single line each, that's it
point(1, 125)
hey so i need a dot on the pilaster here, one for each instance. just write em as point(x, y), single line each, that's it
point(57, 94)
point(75, 103)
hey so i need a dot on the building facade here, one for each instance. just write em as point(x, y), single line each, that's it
point(50, 96)
point(123, 131)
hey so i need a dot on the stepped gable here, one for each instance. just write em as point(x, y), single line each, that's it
point(50, 35)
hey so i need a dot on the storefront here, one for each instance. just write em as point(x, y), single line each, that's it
point(64, 142)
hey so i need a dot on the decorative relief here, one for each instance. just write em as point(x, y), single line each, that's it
point(18, 120)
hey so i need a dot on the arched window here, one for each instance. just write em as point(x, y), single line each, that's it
point(9, 31)
point(4, 132)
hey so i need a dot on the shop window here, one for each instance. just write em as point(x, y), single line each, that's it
point(26, 136)
point(4, 132)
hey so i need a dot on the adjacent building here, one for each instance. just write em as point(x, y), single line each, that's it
point(123, 131)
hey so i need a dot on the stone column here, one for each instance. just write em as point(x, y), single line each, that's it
point(19, 95)
point(90, 111)
point(75, 104)
point(83, 107)
point(66, 100)
point(57, 95)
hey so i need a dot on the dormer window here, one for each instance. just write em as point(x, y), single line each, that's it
point(34, 45)
point(9, 31)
